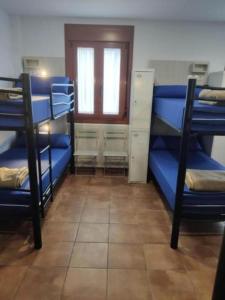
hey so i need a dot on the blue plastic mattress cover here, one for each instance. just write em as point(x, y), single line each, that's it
point(17, 157)
point(169, 105)
point(40, 108)
point(164, 165)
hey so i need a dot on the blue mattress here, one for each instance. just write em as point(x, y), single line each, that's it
point(40, 107)
point(169, 105)
point(164, 166)
point(17, 157)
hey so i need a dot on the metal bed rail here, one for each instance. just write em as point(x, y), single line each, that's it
point(70, 103)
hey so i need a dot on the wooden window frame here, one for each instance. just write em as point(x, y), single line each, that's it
point(110, 36)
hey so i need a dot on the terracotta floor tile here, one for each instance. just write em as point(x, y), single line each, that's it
point(121, 202)
point(149, 203)
point(76, 182)
point(59, 231)
point(85, 284)
point(73, 202)
point(71, 196)
point(203, 281)
point(116, 181)
point(95, 215)
point(154, 234)
point(89, 255)
point(212, 242)
point(162, 257)
point(21, 256)
point(99, 190)
point(90, 232)
point(142, 190)
point(97, 203)
point(126, 256)
point(42, 284)
point(171, 285)
point(139, 222)
point(124, 233)
point(197, 257)
point(18, 240)
point(123, 216)
point(10, 279)
point(56, 254)
point(65, 214)
point(128, 285)
point(153, 217)
point(101, 181)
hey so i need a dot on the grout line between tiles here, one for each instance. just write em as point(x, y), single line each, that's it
point(74, 242)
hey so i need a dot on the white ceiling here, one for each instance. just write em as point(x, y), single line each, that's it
point(196, 10)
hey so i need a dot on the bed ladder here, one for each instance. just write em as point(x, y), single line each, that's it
point(47, 194)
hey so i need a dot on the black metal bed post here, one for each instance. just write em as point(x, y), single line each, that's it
point(71, 120)
point(32, 164)
point(219, 285)
point(184, 145)
point(50, 159)
point(39, 170)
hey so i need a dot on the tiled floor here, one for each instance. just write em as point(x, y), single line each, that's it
point(105, 239)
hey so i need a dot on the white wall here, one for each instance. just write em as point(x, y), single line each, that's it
point(6, 49)
point(153, 40)
point(44, 36)
point(7, 65)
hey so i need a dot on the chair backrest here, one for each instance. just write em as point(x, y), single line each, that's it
point(115, 140)
point(86, 139)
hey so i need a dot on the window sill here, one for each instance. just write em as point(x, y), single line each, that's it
point(104, 120)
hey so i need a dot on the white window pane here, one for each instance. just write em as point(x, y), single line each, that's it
point(85, 78)
point(111, 83)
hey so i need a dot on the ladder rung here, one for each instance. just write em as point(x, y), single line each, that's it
point(47, 200)
point(44, 149)
point(45, 171)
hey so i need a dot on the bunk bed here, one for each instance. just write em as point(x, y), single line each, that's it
point(47, 155)
point(169, 157)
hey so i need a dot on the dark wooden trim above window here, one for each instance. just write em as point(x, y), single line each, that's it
point(77, 34)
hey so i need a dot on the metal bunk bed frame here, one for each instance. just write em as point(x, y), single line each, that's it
point(219, 286)
point(185, 134)
point(39, 198)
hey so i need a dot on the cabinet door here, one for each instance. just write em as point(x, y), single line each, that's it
point(139, 148)
point(142, 99)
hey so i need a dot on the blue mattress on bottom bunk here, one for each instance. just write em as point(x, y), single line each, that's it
point(169, 105)
point(40, 107)
point(17, 157)
point(164, 166)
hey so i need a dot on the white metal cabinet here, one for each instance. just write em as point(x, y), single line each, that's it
point(138, 167)
point(140, 122)
point(141, 97)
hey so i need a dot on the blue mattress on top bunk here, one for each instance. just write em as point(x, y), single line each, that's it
point(17, 157)
point(40, 107)
point(163, 162)
point(169, 105)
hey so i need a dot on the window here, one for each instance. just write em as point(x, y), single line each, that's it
point(99, 59)
point(85, 80)
point(111, 81)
